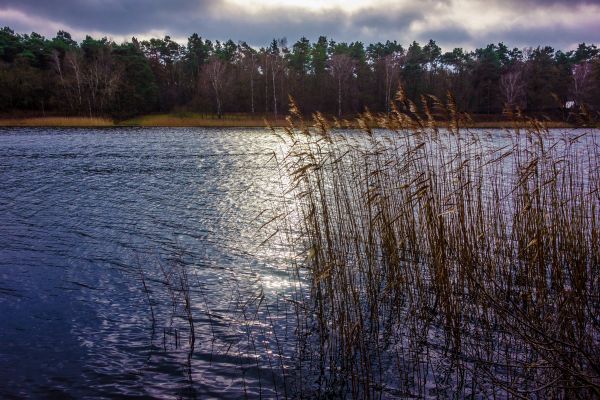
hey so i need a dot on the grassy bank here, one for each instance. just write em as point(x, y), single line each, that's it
point(231, 120)
point(203, 120)
point(154, 120)
point(56, 122)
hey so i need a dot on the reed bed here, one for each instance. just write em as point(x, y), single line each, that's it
point(160, 120)
point(201, 120)
point(57, 122)
point(228, 120)
point(443, 263)
point(442, 123)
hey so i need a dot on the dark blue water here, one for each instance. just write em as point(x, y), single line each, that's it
point(105, 233)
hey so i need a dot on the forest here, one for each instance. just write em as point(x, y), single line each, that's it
point(40, 76)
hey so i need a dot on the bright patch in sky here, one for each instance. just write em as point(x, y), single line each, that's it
point(314, 5)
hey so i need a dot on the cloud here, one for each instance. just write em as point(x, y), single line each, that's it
point(544, 3)
point(210, 18)
point(114, 16)
point(464, 23)
point(452, 36)
point(558, 25)
point(558, 35)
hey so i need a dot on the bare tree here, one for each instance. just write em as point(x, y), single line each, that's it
point(252, 71)
point(512, 86)
point(55, 57)
point(582, 74)
point(277, 66)
point(57, 64)
point(73, 61)
point(250, 62)
point(265, 71)
point(391, 63)
point(102, 79)
point(274, 69)
point(341, 67)
point(215, 71)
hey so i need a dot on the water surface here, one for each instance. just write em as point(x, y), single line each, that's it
point(88, 214)
point(105, 235)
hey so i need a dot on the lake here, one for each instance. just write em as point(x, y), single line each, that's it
point(151, 263)
point(98, 225)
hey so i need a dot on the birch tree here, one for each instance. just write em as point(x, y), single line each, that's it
point(341, 67)
point(582, 74)
point(392, 64)
point(215, 71)
point(512, 87)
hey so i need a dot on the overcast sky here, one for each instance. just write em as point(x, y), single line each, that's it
point(452, 23)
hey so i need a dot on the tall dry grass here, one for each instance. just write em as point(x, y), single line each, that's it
point(443, 263)
point(56, 122)
point(201, 120)
point(160, 120)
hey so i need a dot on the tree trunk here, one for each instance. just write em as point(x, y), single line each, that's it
point(252, 85)
point(274, 89)
point(339, 97)
point(252, 93)
point(266, 85)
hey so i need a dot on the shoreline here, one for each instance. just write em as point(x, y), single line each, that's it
point(172, 121)
point(149, 121)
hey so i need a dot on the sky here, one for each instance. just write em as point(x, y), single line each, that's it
point(451, 23)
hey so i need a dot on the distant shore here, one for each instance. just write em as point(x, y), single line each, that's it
point(193, 120)
point(154, 120)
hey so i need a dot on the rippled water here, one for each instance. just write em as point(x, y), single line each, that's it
point(89, 216)
point(109, 234)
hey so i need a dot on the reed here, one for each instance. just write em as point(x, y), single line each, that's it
point(441, 262)
point(159, 120)
point(57, 122)
point(228, 120)
point(434, 261)
point(202, 120)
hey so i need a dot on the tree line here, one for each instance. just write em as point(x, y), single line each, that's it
point(99, 77)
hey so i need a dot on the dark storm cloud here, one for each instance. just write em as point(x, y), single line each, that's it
point(113, 16)
point(402, 20)
point(559, 37)
point(369, 24)
point(261, 28)
point(213, 18)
